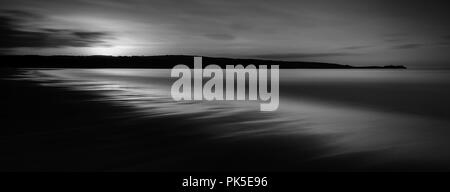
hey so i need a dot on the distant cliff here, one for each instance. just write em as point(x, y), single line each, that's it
point(164, 61)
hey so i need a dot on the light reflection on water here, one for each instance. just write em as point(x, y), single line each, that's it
point(351, 128)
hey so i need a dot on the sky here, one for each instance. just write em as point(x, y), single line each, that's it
point(356, 32)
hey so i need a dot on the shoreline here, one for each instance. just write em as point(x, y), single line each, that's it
point(56, 129)
point(63, 130)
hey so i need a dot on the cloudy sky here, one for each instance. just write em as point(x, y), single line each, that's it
point(356, 32)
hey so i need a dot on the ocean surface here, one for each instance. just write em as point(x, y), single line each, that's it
point(397, 115)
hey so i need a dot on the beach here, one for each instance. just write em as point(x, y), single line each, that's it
point(125, 120)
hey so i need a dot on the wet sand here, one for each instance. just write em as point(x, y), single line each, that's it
point(59, 129)
point(55, 129)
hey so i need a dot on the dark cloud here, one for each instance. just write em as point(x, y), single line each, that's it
point(90, 35)
point(220, 36)
point(15, 34)
point(21, 15)
point(300, 55)
point(409, 46)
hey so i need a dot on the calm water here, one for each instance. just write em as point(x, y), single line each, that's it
point(403, 114)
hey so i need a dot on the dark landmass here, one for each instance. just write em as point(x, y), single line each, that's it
point(164, 61)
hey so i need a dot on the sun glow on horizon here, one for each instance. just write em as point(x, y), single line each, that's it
point(110, 50)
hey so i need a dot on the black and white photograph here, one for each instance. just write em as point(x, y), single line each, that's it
point(224, 86)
